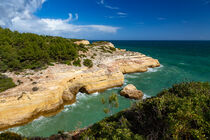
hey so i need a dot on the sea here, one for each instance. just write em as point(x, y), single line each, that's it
point(181, 61)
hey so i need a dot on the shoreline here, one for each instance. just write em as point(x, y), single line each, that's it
point(63, 83)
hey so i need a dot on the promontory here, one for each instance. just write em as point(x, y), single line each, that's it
point(46, 91)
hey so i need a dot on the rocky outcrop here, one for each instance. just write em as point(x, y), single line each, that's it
point(58, 85)
point(136, 64)
point(131, 92)
point(16, 111)
point(84, 42)
point(109, 44)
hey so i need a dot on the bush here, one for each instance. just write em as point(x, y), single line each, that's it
point(35, 89)
point(10, 136)
point(181, 112)
point(88, 63)
point(5, 83)
point(77, 63)
point(30, 51)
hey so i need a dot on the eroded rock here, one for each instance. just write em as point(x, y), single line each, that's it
point(60, 83)
point(84, 42)
point(130, 91)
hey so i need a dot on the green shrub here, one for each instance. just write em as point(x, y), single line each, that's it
point(10, 136)
point(19, 51)
point(112, 49)
point(35, 89)
point(5, 83)
point(88, 63)
point(181, 112)
point(77, 63)
point(100, 43)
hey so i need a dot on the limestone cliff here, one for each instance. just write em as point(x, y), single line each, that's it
point(58, 85)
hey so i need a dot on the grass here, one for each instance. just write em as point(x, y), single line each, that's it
point(5, 83)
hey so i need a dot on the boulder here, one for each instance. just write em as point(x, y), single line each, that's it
point(131, 92)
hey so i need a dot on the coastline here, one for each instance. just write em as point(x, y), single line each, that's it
point(63, 83)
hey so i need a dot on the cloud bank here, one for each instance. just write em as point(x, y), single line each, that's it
point(19, 15)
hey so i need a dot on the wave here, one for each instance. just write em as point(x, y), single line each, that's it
point(146, 96)
point(81, 95)
point(182, 63)
point(115, 88)
point(39, 119)
point(155, 69)
point(131, 76)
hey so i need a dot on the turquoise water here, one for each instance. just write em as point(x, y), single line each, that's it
point(180, 61)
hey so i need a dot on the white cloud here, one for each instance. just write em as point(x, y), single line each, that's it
point(118, 15)
point(111, 7)
point(122, 14)
point(18, 15)
point(101, 2)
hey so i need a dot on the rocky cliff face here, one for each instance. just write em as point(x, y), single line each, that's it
point(59, 84)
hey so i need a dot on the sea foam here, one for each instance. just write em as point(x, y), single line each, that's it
point(155, 69)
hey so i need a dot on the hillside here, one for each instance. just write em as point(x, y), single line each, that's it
point(20, 51)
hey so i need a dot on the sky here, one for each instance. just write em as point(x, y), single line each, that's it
point(110, 19)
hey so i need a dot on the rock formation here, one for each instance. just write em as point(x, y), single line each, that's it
point(131, 92)
point(84, 42)
point(58, 85)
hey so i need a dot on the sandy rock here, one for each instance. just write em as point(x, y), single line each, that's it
point(109, 44)
point(59, 84)
point(84, 42)
point(131, 92)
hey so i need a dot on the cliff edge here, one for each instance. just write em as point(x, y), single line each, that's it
point(46, 92)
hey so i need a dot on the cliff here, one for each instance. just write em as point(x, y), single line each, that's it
point(46, 92)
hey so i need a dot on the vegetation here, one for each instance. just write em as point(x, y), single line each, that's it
point(181, 112)
point(100, 42)
point(112, 103)
point(107, 49)
point(10, 136)
point(35, 89)
point(5, 83)
point(30, 51)
point(77, 62)
point(88, 63)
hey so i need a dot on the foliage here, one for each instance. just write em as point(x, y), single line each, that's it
point(88, 63)
point(74, 40)
point(181, 112)
point(30, 51)
point(107, 49)
point(5, 83)
point(112, 102)
point(100, 42)
point(10, 136)
point(77, 62)
point(35, 89)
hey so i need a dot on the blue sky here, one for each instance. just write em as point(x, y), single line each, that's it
point(110, 19)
